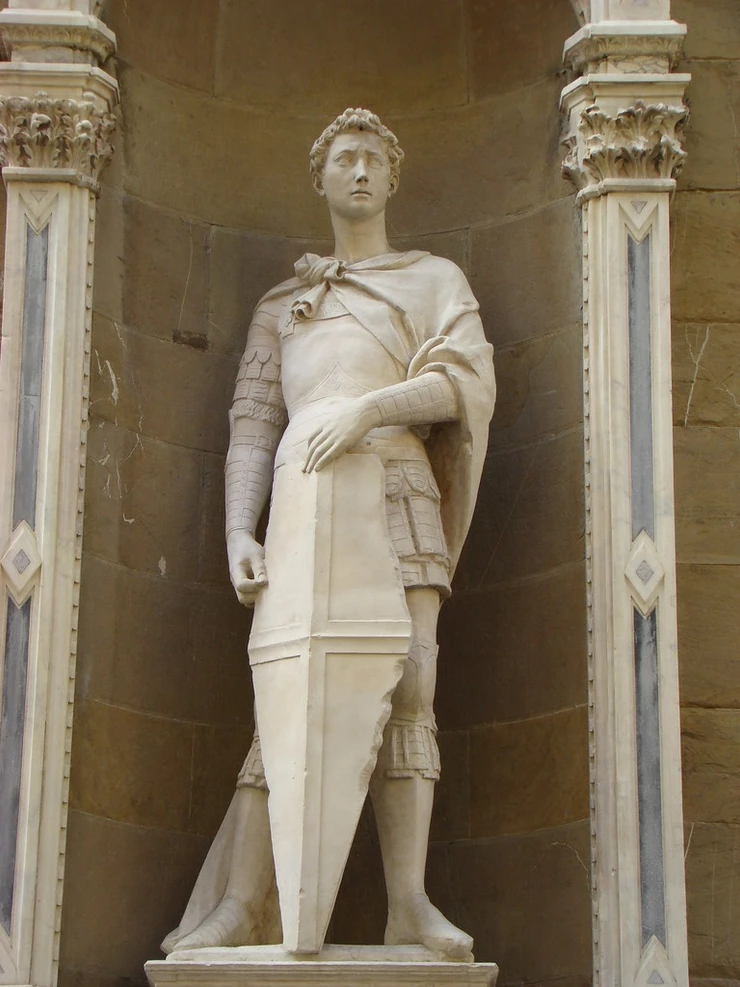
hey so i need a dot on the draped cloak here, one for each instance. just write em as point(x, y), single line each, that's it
point(421, 310)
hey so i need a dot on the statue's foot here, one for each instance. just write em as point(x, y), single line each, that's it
point(231, 924)
point(415, 921)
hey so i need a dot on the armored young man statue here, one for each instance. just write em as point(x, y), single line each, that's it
point(372, 351)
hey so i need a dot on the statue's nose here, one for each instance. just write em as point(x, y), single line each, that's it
point(360, 171)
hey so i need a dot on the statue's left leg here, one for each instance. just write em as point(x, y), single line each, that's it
point(402, 791)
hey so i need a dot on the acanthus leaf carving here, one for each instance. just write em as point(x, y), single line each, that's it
point(639, 142)
point(46, 132)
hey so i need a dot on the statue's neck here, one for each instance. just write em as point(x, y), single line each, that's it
point(357, 240)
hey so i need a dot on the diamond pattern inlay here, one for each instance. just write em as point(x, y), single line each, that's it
point(644, 572)
point(21, 562)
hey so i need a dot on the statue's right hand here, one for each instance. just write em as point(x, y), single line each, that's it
point(246, 566)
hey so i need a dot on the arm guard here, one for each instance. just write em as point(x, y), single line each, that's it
point(257, 418)
point(423, 400)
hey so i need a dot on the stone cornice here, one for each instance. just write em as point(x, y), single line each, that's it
point(653, 47)
point(641, 142)
point(41, 133)
point(58, 36)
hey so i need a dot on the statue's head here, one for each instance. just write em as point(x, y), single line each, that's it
point(357, 121)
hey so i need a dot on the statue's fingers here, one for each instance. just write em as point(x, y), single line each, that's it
point(328, 455)
point(259, 572)
point(315, 454)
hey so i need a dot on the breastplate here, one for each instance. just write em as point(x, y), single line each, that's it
point(333, 356)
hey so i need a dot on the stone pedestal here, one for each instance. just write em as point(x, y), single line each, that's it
point(358, 966)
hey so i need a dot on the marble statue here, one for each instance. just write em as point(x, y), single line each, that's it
point(362, 402)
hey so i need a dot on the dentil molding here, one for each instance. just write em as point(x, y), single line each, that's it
point(42, 132)
point(639, 142)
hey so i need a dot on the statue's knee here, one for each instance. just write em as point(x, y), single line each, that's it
point(414, 694)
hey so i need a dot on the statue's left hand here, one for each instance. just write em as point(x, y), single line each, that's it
point(339, 433)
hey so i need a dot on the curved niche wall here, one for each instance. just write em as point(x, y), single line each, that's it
point(207, 205)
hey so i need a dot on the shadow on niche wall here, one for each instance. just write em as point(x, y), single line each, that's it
point(210, 173)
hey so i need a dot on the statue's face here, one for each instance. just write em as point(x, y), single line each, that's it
point(356, 178)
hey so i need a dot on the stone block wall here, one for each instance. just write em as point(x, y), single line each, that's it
point(706, 399)
point(206, 205)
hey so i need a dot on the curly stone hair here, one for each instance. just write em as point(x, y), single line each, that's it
point(355, 119)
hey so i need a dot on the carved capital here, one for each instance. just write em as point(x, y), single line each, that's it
point(638, 143)
point(48, 133)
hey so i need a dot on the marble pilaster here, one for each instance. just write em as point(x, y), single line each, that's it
point(625, 116)
point(55, 126)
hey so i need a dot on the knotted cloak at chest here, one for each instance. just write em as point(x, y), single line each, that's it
point(421, 310)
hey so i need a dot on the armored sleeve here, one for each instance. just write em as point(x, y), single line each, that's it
point(258, 393)
point(257, 419)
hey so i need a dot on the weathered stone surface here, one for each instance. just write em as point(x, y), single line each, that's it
point(213, 566)
point(541, 255)
point(451, 819)
point(362, 907)
point(491, 665)
point(529, 517)
point(714, 28)
point(709, 662)
point(181, 634)
point(541, 881)
point(218, 754)
point(175, 393)
point(539, 387)
point(712, 876)
point(164, 123)
point(109, 254)
point(142, 502)
point(165, 274)
point(124, 889)
point(705, 231)
point(707, 476)
point(454, 245)
point(242, 268)
point(260, 64)
point(711, 754)
point(152, 756)
point(172, 43)
point(706, 374)
point(713, 160)
point(515, 45)
point(530, 774)
point(458, 175)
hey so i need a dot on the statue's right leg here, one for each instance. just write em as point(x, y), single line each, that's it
point(239, 918)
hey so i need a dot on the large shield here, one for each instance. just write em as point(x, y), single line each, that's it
point(330, 634)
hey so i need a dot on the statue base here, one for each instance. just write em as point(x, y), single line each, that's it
point(358, 966)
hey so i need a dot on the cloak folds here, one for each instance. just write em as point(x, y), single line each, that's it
point(421, 310)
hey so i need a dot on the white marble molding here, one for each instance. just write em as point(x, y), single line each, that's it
point(55, 127)
point(625, 116)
